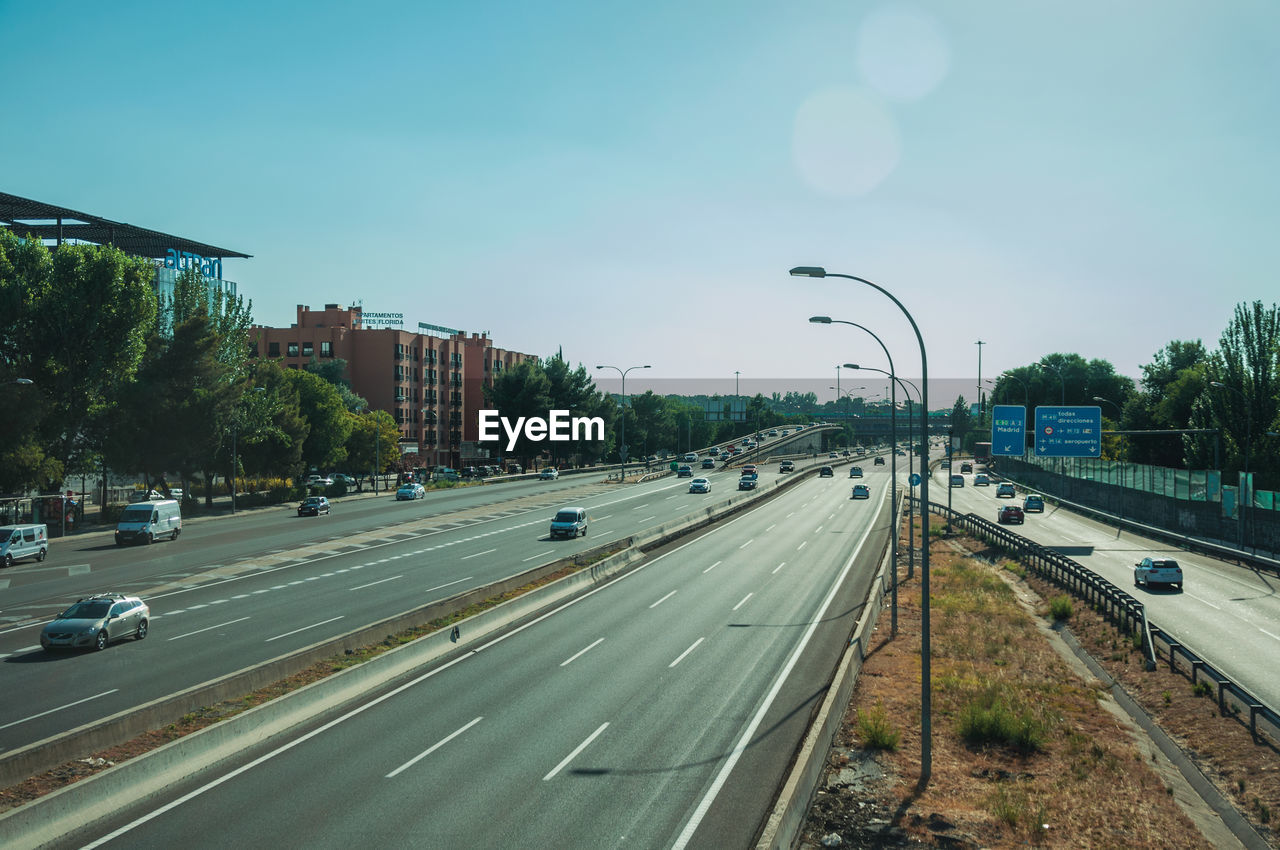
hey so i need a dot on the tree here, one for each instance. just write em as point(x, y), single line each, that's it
point(272, 429)
point(330, 424)
point(373, 443)
point(961, 421)
point(575, 391)
point(76, 323)
point(335, 372)
point(523, 390)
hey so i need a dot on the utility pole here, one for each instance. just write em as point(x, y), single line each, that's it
point(982, 408)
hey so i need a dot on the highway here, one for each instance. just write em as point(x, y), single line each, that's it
point(1228, 614)
point(659, 710)
point(238, 591)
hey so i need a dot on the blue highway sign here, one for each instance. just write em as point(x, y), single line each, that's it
point(914, 479)
point(1008, 430)
point(1069, 431)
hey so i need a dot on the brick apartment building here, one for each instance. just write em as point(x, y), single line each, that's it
point(431, 382)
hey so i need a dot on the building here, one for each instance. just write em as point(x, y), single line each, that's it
point(55, 226)
point(431, 380)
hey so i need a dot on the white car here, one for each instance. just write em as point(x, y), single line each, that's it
point(699, 485)
point(549, 474)
point(1151, 571)
point(409, 492)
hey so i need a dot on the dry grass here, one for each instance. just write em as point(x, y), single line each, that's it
point(1067, 776)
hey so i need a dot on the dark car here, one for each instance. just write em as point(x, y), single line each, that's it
point(787, 466)
point(1033, 504)
point(313, 506)
point(966, 467)
point(1009, 514)
point(861, 491)
point(685, 471)
point(826, 472)
point(879, 461)
point(957, 481)
point(855, 472)
point(709, 463)
point(747, 482)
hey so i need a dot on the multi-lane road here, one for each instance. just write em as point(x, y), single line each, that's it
point(1228, 614)
point(660, 709)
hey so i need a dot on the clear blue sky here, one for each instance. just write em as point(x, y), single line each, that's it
point(631, 182)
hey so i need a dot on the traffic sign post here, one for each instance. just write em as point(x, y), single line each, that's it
point(1008, 430)
point(1069, 431)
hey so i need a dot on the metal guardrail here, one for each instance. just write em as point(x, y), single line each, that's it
point(1124, 611)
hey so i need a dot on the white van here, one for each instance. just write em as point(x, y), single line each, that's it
point(146, 522)
point(23, 541)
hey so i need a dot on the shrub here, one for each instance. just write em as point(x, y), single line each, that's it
point(989, 719)
point(876, 731)
point(111, 513)
point(1201, 689)
point(1060, 608)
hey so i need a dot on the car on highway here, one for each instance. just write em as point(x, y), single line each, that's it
point(832, 454)
point(750, 469)
point(748, 482)
point(409, 492)
point(700, 485)
point(773, 433)
point(1032, 503)
point(549, 474)
point(709, 463)
point(787, 466)
point(569, 522)
point(966, 467)
point(879, 461)
point(826, 472)
point(313, 506)
point(684, 471)
point(861, 491)
point(319, 481)
point(1006, 490)
point(95, 621)
point(855, 472)
point(1009, 514)
point(981, 480)
point(342, 478)
point(957, 481)
point(1151, 571)
point(145, 496)
point(946, 464)
point(23, 541)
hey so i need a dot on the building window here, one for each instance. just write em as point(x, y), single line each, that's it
point(293, 349)
point(431, 377)
point(253, 349)
point(308, 349)
point(326, 349)
point(273, 349)
point(429, 436)
point(429, 355)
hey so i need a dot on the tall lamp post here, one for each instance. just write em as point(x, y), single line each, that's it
point(926, 691)
point(911, 439)
point(622, 440)
point(1248, 441)
point(1120, 412)
point(893, 462)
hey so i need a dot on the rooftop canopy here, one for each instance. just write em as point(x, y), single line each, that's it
point(60, 224)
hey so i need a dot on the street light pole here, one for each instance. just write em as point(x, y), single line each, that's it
point(622, 447)
point(1248, 440)
point(926, 688)
point(893, 464)
point(1120, 411)
point(1045, 364)
point(911, 439)
point(982, 407)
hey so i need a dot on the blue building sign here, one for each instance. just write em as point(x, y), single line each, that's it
point(207, 266)
point(1008, 430)
point(1069, 431)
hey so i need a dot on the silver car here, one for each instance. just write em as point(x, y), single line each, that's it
point(97, 620)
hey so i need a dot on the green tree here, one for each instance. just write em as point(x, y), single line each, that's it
point(335, 372)
point(521, 391)
point(320, 403)
point(272, 429)
point(374, 442)
point(76, 323)
point(575, 391)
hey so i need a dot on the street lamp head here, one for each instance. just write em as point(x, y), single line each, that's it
point(852, 366)
point(820, 320)
point(24, 381)
point(808, 271)
point(1218, 385)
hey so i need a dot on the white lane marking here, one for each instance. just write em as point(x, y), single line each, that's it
point(206, 629)
point(1268, 634)
point(743, 602)
point(771, 528)
point(448, 584)
point(803, 543)
point(478, 554)
point(673, 496)
point(793, 513)
point(748, 543)
point(601, 518)
point(663, 599)
point(712, 567)
point(19, 651)
point(574, 754)
point(639, 507)
point(1205, 601)
point(581, 652)
point(780, 566)
point(831, 515)
point(372, 583)
point(304, 628)
point(59, 708)
point(819, 528)
point(695, 820)
point(687, 651)
point(646, 519)
point(431, 749)
point(194, 607)
point(533, 557)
